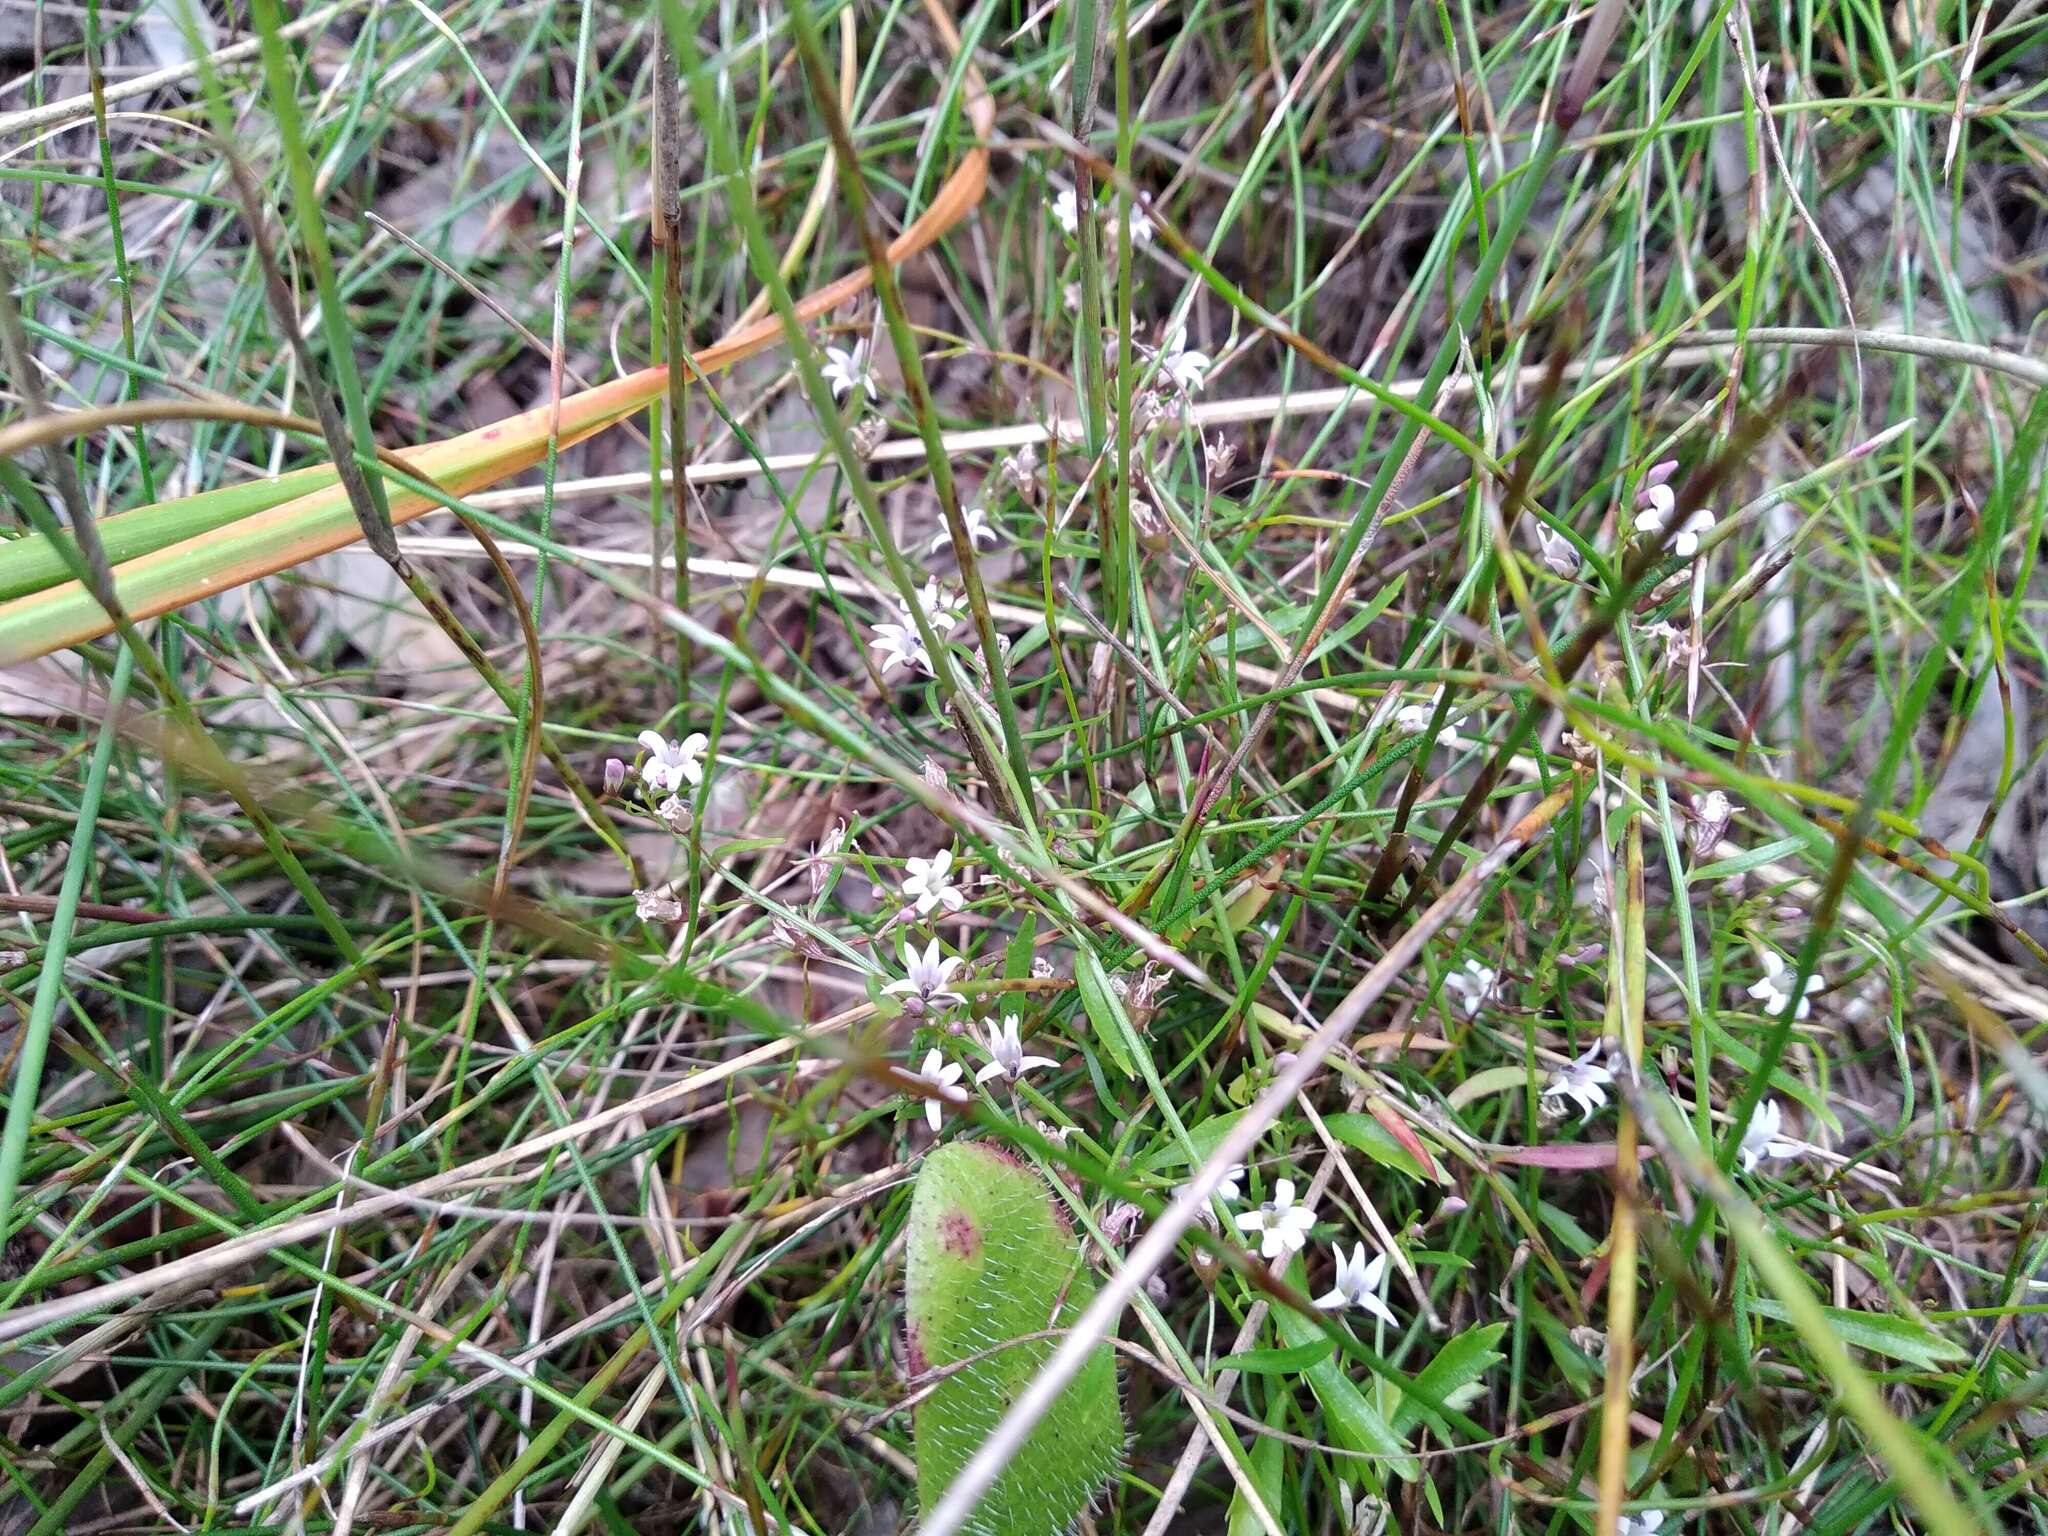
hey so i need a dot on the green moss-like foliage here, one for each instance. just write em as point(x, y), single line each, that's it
point(990, 1259)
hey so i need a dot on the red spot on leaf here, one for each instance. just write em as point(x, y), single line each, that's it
point(913, 1352)
point(959, 1236)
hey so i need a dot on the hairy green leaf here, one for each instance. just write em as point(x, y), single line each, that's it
point(991, 1259)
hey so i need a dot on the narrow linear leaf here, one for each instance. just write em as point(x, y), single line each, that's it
point(1882, 1333)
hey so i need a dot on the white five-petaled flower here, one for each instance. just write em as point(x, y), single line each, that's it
point(1685, 543)
point(929, 884)
point(977, 530)
point(1582, 1080)
point(1139, 223)
point(1774, 988)
point(941, 1075)
point(848, 371)
point(1283, 1226)
point(1182, 365)
point(1228, 1188)
point(1066, 212)
point(901, 646)
point(941, 606)
point(1358, 1284)
point(1010, 1061)
point(671, 764)
point(1413, 720)
point(1558, 552)
point(1761, 1141)
point(1473, 985)
point(1645, 1524)
point(927, 975)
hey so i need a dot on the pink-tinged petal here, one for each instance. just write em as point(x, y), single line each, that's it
point(993, 1069)
point(652, 741)
point(931, 1114)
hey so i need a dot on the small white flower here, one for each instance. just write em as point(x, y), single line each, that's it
point(1761, 1141)
point(1473, 985)
point(1358, 1284)
point(941, 607)
point(657, 906)
point(927, 975)
point(1685, 543)
point(1010, 1061)
point(1182, 366)
point(1645, 1524)
point(671, 764)
point(1139, 222)
point(1582, 1081)
point(929, 884)
point(1066, 212)
point(941, 1075)
point(1774, 988)
point(1558, 552)
point(1283, 1225)
point(1413, 720)
point(977, 530)
point(1228, 1188)
point(901, 647)
point(848, 371)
